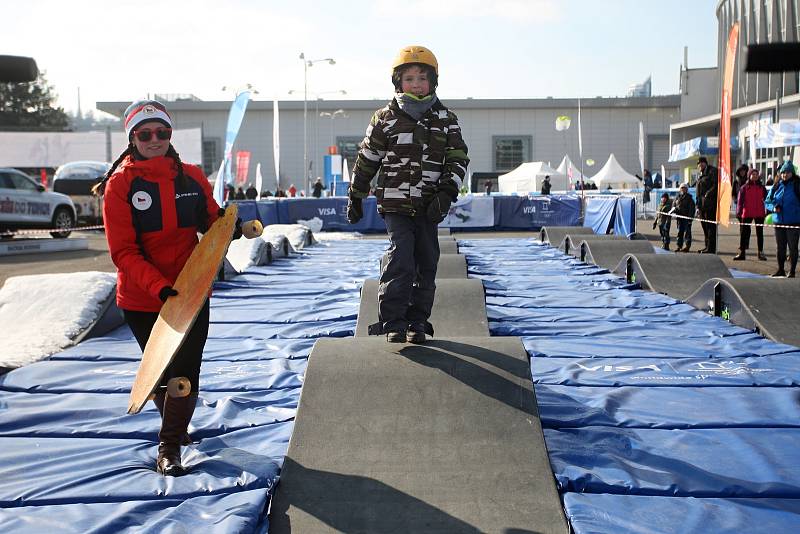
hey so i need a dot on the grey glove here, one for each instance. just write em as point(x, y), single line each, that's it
point(438, 208)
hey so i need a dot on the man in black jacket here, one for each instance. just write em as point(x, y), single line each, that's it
point(707, 204)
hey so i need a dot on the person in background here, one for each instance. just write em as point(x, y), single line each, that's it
point(707, 204)
point(785, 197)
point(239, 194)
point(414, 146)
point(739, 180)
point(292, 190)
point(546, 186)
point(750, 209)
point(266, 193)
point(154, 206)
point(317, 188)
point(663, 220)
point(251, 193)
point(230, 192)
point(487, 187)
point(684, 205)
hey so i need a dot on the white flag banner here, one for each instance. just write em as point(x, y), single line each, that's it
point(664, 178)
point(259, 180)
point(641, 147)
point(276, 143)
point(219, 184)
point(345, 171)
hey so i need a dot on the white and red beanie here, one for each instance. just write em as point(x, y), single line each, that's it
point(145, 111)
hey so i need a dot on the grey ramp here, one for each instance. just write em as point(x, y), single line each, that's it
point(571, 242)
point(676, 275)
point(444, 231)
point(556, 234)
point(766, 305)
point(443, 437)
point(607, 254)
point(448, 245)
point(449, 266)
point(459, 308)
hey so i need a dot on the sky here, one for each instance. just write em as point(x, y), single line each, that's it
point(124, 50)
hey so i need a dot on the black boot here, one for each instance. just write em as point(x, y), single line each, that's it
point(177, 414)
point(158, 400)
point(741, 256)
point(761, 255)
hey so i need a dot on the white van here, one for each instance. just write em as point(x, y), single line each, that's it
point(76, 179)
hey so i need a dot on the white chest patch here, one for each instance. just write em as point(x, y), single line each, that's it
point(142, 200)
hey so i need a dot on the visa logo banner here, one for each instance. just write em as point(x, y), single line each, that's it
point(528, 209)
point(327, 211)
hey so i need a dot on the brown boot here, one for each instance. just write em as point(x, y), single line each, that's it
point(177, 414)
point(158, 400)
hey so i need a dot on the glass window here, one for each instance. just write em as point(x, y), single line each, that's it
point(511, 151)
point(22, 183)
point(211, 155)
point(348, 148)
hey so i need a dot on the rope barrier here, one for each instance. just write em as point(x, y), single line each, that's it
point(47, 231)
point(737, 223)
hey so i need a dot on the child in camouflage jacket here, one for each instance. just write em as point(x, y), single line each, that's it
point(414, 145)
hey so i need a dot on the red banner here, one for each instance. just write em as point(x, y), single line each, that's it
point(242, 166)
point(724, 186)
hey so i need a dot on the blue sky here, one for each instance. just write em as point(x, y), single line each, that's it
point(123, 50)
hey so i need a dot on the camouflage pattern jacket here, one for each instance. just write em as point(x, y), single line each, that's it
point(416, 159)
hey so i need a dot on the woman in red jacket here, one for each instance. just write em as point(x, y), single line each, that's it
point(750, 208)
point(154, 206)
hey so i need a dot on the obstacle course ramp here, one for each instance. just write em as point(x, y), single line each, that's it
point(556, 234)
point(607, 254)
point(109, 318)
point(676, 275)
point(441, 437)
point(444, 231)
point(448, 245)
point(571, 243)
point(449, 266)
point(765, 305)
point(459, 308)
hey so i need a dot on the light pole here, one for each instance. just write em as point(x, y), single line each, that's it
point(308, 63)
point(317, 98)
point(338, 113)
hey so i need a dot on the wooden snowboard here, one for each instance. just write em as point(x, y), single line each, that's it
point(179, 313)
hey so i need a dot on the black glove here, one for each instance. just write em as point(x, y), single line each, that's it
point(438, 208)
point(221, 212)
point(654, 224)
point(355, 211)
point(238, 232)
point(166, 292)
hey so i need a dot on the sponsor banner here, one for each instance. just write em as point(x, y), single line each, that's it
point(470, 212)
point(332, 212)
point(536, 211)
point(724, 186)
point(242, 166)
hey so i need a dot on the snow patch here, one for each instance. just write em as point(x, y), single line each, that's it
point(41, 314)
point(244, 253)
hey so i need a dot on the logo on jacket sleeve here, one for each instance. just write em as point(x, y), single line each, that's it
point(142, 200)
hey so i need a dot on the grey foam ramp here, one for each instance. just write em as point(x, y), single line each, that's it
point(607, 254)
point(676, 275)
point(766, 305)
point(555, 234)
point(448, 245)
point(444, 231)
point(571, 242)
point(449, 266)
point(459, 308)
point(441, 437)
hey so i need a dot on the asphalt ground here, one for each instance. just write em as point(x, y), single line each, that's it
point(96, 258)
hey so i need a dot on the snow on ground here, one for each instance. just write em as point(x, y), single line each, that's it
point(295, 233)
point(244, 253)
point(41, 314)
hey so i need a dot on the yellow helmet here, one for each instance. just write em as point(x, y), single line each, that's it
point(416, 54)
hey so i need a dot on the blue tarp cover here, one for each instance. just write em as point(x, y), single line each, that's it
point(657, 417)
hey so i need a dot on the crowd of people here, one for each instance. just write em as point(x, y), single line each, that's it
point(752, 198)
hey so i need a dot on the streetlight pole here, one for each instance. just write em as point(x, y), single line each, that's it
point(337, 113)
point(308, 63)
point(317, 99)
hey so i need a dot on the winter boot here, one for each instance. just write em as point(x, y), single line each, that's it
point(416, 333)
point(780, 273)
point(396, 337)
point(741, 256)
point(158, 400)
point(177, 414)
point(761, 255)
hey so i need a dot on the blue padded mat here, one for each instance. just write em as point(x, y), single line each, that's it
point(657, 417)
point(72, 461)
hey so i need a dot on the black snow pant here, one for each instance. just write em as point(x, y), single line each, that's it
point(709, 232)
point(787, 237)
point(684, 233)
point(187, 361)
point(408, 280)
point(744, 233)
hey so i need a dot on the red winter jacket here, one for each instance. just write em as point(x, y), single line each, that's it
point(151, 224)
point(750, 202)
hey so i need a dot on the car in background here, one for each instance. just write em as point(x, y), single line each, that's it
point(76, 179)
point(24, 204)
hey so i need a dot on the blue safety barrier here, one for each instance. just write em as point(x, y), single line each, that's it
point(68, 452)
point(657, 418)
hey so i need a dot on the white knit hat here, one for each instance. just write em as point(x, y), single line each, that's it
point(145, 111)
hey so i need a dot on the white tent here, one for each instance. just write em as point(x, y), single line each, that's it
point(529, 176)
point(564, 168)
point(612, 174)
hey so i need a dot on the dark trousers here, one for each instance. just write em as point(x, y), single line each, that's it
point(408, 280)
point(709, 232)
point(187, 361)
point(684, 233)
point(744, 233)
point(787, 237)
point(663, 229)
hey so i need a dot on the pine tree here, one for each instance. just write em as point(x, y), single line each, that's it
point(30, 106)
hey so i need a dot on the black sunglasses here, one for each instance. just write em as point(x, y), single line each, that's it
point(163, 134)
